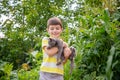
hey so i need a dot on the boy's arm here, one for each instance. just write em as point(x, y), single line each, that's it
point(67, 52)
point(52, 51)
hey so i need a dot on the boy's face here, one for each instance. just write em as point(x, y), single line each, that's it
point(54, 31)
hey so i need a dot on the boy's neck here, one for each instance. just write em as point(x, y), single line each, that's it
point(55, 37)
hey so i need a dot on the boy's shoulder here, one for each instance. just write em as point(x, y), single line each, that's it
point(45, 38)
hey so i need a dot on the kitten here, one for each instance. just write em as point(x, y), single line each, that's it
point(52, 42)
point(71, 58)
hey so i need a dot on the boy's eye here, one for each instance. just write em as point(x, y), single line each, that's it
point(57, 28)
point(54, 28)
point(51, 28)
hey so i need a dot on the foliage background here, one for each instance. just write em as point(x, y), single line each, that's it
point(91, 26)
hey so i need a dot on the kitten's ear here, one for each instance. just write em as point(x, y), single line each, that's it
point(50, 39)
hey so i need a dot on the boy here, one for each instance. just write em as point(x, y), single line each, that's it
point(49, 70)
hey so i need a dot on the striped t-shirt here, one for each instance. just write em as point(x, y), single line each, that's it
point(49, 62)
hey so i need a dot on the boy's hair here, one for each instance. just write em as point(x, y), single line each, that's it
point(54, 21)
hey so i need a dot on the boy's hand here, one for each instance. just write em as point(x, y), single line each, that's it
point(52, 51)
point(65, 44)
point(67, 53)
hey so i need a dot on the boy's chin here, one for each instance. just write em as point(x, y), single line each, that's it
point(55, 37)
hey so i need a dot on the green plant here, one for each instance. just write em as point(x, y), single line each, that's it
point(113, 62)
point(28, 75)
point(5, 70)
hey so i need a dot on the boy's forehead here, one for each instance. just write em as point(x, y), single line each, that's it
point(54, 26)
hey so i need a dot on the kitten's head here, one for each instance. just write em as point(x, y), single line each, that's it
point(52, 42)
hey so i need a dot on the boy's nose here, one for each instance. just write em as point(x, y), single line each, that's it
point(55, 30)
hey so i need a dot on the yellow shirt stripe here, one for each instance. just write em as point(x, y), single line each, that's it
point(51, 59)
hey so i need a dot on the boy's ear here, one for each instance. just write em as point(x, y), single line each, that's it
point(47, 29)
point(62, 29)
